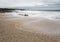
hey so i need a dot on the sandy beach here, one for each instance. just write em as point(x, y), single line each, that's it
point(28, 29)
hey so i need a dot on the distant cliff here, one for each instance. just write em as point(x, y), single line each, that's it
point(2, 10)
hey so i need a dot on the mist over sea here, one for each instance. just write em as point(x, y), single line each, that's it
point(52, 15)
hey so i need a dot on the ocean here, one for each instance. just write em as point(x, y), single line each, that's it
point(52, 15)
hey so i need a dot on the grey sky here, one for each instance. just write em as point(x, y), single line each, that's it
point(12, 3)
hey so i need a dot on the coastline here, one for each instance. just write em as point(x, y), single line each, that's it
point(27, 29)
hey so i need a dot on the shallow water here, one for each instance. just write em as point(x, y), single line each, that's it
point(52, 15)
point(37, 21)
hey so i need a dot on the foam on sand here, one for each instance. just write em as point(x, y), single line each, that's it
point(28, 29)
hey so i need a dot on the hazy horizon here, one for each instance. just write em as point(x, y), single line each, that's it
point(31, 4)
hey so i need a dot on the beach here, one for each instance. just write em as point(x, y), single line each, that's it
point(28, 29)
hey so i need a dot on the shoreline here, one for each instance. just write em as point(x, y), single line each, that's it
point(26, 29)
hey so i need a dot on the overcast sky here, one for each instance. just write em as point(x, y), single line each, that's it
point(13, 3)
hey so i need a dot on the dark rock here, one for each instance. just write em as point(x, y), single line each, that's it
point(26, 15)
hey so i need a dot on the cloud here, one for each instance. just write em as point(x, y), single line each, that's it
point(13, 3)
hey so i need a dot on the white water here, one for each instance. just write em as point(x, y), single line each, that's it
point(52, 15)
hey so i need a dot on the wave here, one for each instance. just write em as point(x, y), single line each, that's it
point(52, 15)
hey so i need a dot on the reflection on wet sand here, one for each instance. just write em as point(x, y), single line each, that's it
point(28, 29)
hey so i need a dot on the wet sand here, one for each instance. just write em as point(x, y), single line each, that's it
point(28, 29)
